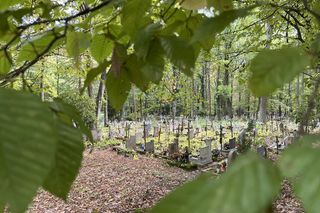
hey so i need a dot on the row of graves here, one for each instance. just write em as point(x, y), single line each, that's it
point(217, 145)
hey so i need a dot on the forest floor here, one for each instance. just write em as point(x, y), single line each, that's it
point(109, 182)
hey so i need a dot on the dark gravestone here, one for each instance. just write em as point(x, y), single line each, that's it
point(131, 143)
point(262, 151)
point(173, 148)
point(150, 147)
point(232, 143)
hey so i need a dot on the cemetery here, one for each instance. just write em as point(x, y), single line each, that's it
point(159, 106)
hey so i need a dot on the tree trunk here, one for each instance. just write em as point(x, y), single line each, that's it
point(262, 115)
point(100, 95)
point(105, 114)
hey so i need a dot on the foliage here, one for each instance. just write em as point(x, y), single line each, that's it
point(84, 105)
point(41, 147)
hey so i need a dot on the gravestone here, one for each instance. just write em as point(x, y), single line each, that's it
point(208, 143)
point(150, 147)
point(262, 151)
point(139, 136)
point(131, 143)
point(191, 133)
point(173, 148)
point(197, 131)
point(205, 156)
point(233, 154)
point(96, 134)
point(232, 143)
point(122, 132)
point(156, 131)
point(148, 129)
point(111, 134)
point(242, 136)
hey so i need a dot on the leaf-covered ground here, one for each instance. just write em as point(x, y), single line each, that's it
point(113, 183)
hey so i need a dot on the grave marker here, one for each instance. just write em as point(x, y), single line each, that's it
point(131, 143)
point(232, 143)
point(173, 148)
point(205, 155)
point(262, 151)
point(96, 134)
point(150, 147)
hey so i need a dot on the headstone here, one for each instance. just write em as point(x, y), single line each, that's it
point(208, 143)
point(111, 134)
point(150, 147)
point(131, 143)
point(242, 136)
point(96, 134)
point(148, 129)
point(233, 154)
point(122, 132)
point(173, 148)
point(139, 136)
point(232, 143)
point(262, 151)
point(205, 155)
point(191, 133)
point(156, 131)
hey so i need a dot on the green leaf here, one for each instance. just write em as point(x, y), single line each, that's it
point(180, 53)
point(37, 46)
point(210, 27)
point(27, 147)
point(298, 162)
point(154, 65)
point(118, 87)
point(230, 193)
point(271, 69)
point(133, 15)
point(101, 47)
point(143, 39)
point(93, 73)
point(67, 162)
point(5, 64)
point(133, 71)
point(77, 43)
